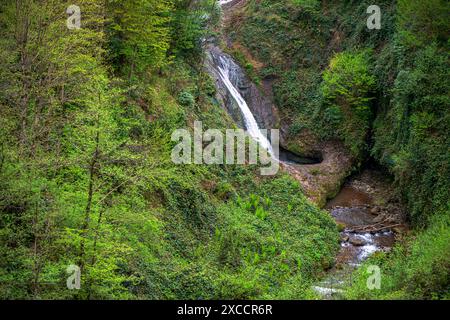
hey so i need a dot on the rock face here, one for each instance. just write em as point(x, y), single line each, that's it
point(223, 96)
point(322, 181)
point(260, 105)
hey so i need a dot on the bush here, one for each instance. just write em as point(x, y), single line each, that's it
point(347, 90)
point(186, 99)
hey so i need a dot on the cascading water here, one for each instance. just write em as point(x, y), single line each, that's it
point(227, 68)
point(230, 78)
point(222, 2)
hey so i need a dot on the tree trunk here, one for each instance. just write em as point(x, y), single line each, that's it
point(87, 211)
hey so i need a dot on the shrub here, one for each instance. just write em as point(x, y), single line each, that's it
point(186, 99)
point(347, 90)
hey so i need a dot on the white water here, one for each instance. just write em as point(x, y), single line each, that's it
point(225, 68)
point(221, 2)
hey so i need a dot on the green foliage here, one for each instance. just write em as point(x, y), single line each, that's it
point(412, 138)
point(86, 176)
point(139, 34)
point(307, 4)
point(186, 99)
point(423, 21)
point(348, 79)
point(272, 242)
point(188, 25)
point(347, 89)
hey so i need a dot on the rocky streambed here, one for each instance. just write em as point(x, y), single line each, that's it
point(370, 218)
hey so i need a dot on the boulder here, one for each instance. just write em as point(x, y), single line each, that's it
point(357, 242)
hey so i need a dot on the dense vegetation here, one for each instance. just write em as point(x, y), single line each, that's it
point(86, 117)
point(385, 94)
point(86, 178)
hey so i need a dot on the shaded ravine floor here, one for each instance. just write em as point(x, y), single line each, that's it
point(370, 219)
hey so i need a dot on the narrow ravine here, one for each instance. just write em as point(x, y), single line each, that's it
point(365, 210)
point(370, 217)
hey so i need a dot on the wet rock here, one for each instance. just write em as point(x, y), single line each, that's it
point(344, 238)
point(341, 227)
point(357, 242)
point(260, 105)
point(375, 211)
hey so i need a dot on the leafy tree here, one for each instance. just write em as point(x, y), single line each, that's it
point(139, 34)
point(189, 24)
point(422, 21)
point(347, 90)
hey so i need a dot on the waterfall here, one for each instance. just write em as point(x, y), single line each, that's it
point(222, 2)
point(227, 68)
point(228, 72)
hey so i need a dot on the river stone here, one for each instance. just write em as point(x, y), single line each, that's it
point(357, 242)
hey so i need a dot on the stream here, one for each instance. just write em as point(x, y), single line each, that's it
point(353, 209)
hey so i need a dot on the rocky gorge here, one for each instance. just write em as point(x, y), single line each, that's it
point(359, 198)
